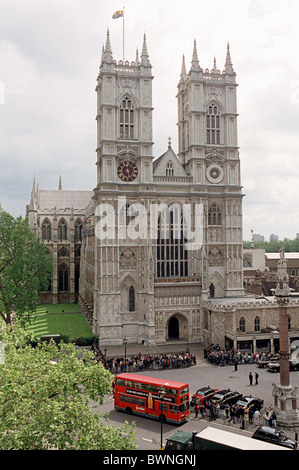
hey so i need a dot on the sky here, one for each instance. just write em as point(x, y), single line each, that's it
point(50, 52)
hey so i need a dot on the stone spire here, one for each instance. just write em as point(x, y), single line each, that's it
point(195, 62)
point(107, 56)
point(137, 56)
point(228, 63)
point(60, 184)
point(214, 69)
point(144, 54)
point(33, 186)
point(183, 71)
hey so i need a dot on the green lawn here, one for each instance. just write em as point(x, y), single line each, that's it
point(50, 319)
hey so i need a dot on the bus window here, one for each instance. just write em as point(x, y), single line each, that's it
point(140, 401)
point(150, 388)
point(129, 383)
point(128, 399)
point(173, 408)
point(120, 382)
point(164, 406)
point(172, 392)
point(183, 391)
point(139, 386)
point(184, 407)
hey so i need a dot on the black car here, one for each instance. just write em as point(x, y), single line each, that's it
point(224, 397)
point(203, 394)
point(248, 402)
point(275, 436)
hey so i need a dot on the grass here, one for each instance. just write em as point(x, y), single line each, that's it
point(64, 319)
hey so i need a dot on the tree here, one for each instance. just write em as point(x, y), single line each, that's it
point(44, 399)
point(25, 268)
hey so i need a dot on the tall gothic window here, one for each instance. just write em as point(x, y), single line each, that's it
point(46, 230)
point(62, 230)
point(172, 255)
point(214, 215)
point(63, 278)
point(131, 299)
point(126, 119)
point(213, 125)
point(78, 230)
point(257, 324)
point(242, 324)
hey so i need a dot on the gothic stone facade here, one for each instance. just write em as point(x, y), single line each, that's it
point(153, 289)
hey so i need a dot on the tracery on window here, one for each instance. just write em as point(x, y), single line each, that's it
point(214, 215)
point(172, 254)
point(126, 119)
point(62, 230)
point(213, 125)
point(46, 230)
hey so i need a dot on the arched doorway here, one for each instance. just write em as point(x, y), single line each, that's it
point(173, 328)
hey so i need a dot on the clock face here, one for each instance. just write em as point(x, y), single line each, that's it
point(127, 171)
point(215, 174)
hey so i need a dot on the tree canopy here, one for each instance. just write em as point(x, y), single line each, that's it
point(274, 246)
point(45, 394)
point(25, 268)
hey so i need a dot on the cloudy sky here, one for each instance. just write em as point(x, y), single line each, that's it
point(50, 52)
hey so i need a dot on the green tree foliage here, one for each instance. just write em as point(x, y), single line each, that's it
point(273, 247)
point(25, 268)
point(45, 395)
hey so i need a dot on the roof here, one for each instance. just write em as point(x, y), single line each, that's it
point(180, 436)
point(288, 255)
point(60, 199)
point(152, 380)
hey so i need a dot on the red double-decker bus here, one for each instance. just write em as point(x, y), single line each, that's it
point(138, 394)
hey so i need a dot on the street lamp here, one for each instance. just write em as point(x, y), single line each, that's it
point(105, 355)
point(125, 343)
point(162, 393)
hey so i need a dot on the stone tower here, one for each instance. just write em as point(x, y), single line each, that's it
point(124, 270)
point(208, 150)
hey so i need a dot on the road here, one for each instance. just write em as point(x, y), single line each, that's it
point(202, 374)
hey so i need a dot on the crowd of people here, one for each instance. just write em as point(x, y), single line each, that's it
point(140, 361)
point(221, 356)
point(230, 413)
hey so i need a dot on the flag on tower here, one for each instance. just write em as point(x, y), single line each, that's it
point(118, 14)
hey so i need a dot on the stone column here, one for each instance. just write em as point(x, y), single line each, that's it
point(285, 396)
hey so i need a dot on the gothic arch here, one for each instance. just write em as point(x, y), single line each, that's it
point(218, 284)
point(46, 229)
point(128, 294)
point(214, 102)
point(62, 229)
point(177, 327)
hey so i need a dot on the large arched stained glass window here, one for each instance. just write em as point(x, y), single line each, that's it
point(63, 278)
point(172, 254)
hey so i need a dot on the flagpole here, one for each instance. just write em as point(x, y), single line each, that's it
point(123, 34)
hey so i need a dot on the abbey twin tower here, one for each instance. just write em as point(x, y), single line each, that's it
point(121, 250)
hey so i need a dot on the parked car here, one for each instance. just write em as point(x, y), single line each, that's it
point(275, 436)
point(249, 402)
point(224, 397)
point(275, 365)
point(264, 360)
point(203, 394)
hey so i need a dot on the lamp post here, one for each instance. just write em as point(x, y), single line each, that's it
point(162, 393)
point(125, 343)
point(105, 355)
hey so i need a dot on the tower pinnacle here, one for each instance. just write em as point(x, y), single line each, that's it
point(228, 64)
